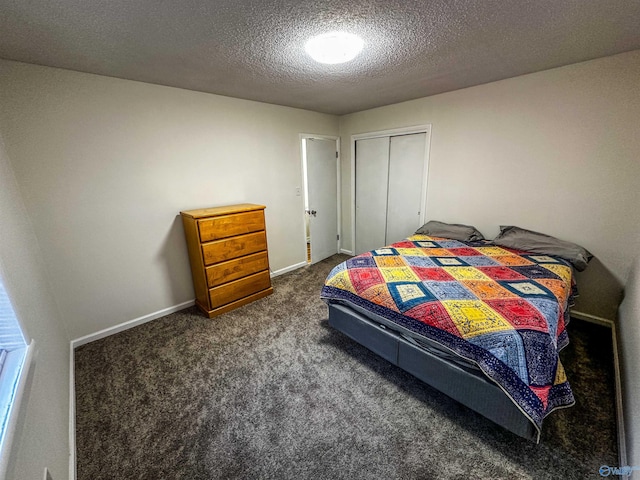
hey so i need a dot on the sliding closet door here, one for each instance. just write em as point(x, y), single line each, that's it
point(404, 199)
point(372, 166)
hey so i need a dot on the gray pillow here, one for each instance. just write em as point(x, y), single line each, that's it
point(455, 231)
point(534, 242)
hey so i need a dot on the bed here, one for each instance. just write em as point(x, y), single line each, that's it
point(480, 322)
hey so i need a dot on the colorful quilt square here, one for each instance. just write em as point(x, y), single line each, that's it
point(449, 291)
point(364, 278)
point(501, 273)
point(408, 295)
point(541, 357)
point(512, 260)
point(492, 251)
point(338, 268)
point(437, 252)
point(383, 251)
point(473, 317)
point(416, 261)
point(486, 290)
point(507, 347)
point(435, 273)
point(449, 261)
point(527, 289)
point(464, 251)
point(389, 261)
point(380, 295)
point(414, 252)
point(339, 278)
point(434, 314)
point(361, 262)
point(542, 258)
point(466, 273)
point(451, 244)
point(561, 270)
point(404, 274)
point(559, 288)
point(550, 310)
point(478, 260)
point(426, 244)
point(403, 244)
point(535, 271)
point(520, 313)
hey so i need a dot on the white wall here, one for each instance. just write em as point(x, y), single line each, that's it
point(106, 165)
point(556, 151)
point(42, 434)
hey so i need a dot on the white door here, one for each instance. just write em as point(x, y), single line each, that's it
point(404, 199)
point(322, 196)
point(372, 166)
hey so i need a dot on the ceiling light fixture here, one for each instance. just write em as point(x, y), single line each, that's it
point(334, 47)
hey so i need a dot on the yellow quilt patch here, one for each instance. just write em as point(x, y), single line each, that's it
point(473, 317)
point(411, 252)
point(342, 280)
point(404, 274)
point(420, 238)
point(561, 376)
point(492, 251)
point(562, 271)
point(466, 273)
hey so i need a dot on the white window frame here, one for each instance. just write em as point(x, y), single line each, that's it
point(13, 373)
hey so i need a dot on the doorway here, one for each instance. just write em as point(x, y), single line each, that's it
point(320, 168)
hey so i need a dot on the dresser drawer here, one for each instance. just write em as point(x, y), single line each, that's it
point(240, 267)
point(225, 226)
point(222, 250)
point(237, 289)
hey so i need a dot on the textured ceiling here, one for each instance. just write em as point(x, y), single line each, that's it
point(255, 49)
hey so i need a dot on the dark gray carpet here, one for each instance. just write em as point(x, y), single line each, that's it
point(271, 391)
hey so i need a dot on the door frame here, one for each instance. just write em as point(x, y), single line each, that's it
point(426, 129)
point(305, 192)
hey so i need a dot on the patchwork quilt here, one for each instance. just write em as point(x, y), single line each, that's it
point(504, 309)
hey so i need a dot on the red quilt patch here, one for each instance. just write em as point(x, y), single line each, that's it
point(519, 313)
point(501, 273)
point(434, 314)
point(364, 278)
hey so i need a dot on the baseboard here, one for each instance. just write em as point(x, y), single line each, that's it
point(346, 252)
point(587, 317)
point(72, 414)
point(92, 337)
point(290, 268)
point(622, 443)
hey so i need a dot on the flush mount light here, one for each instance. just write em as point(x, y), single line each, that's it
point(334, 47)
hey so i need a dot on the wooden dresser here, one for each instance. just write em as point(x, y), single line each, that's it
point(228, 256)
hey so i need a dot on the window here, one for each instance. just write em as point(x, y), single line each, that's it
point(13, 358)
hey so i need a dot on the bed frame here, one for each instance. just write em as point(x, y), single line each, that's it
point(462, 382)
